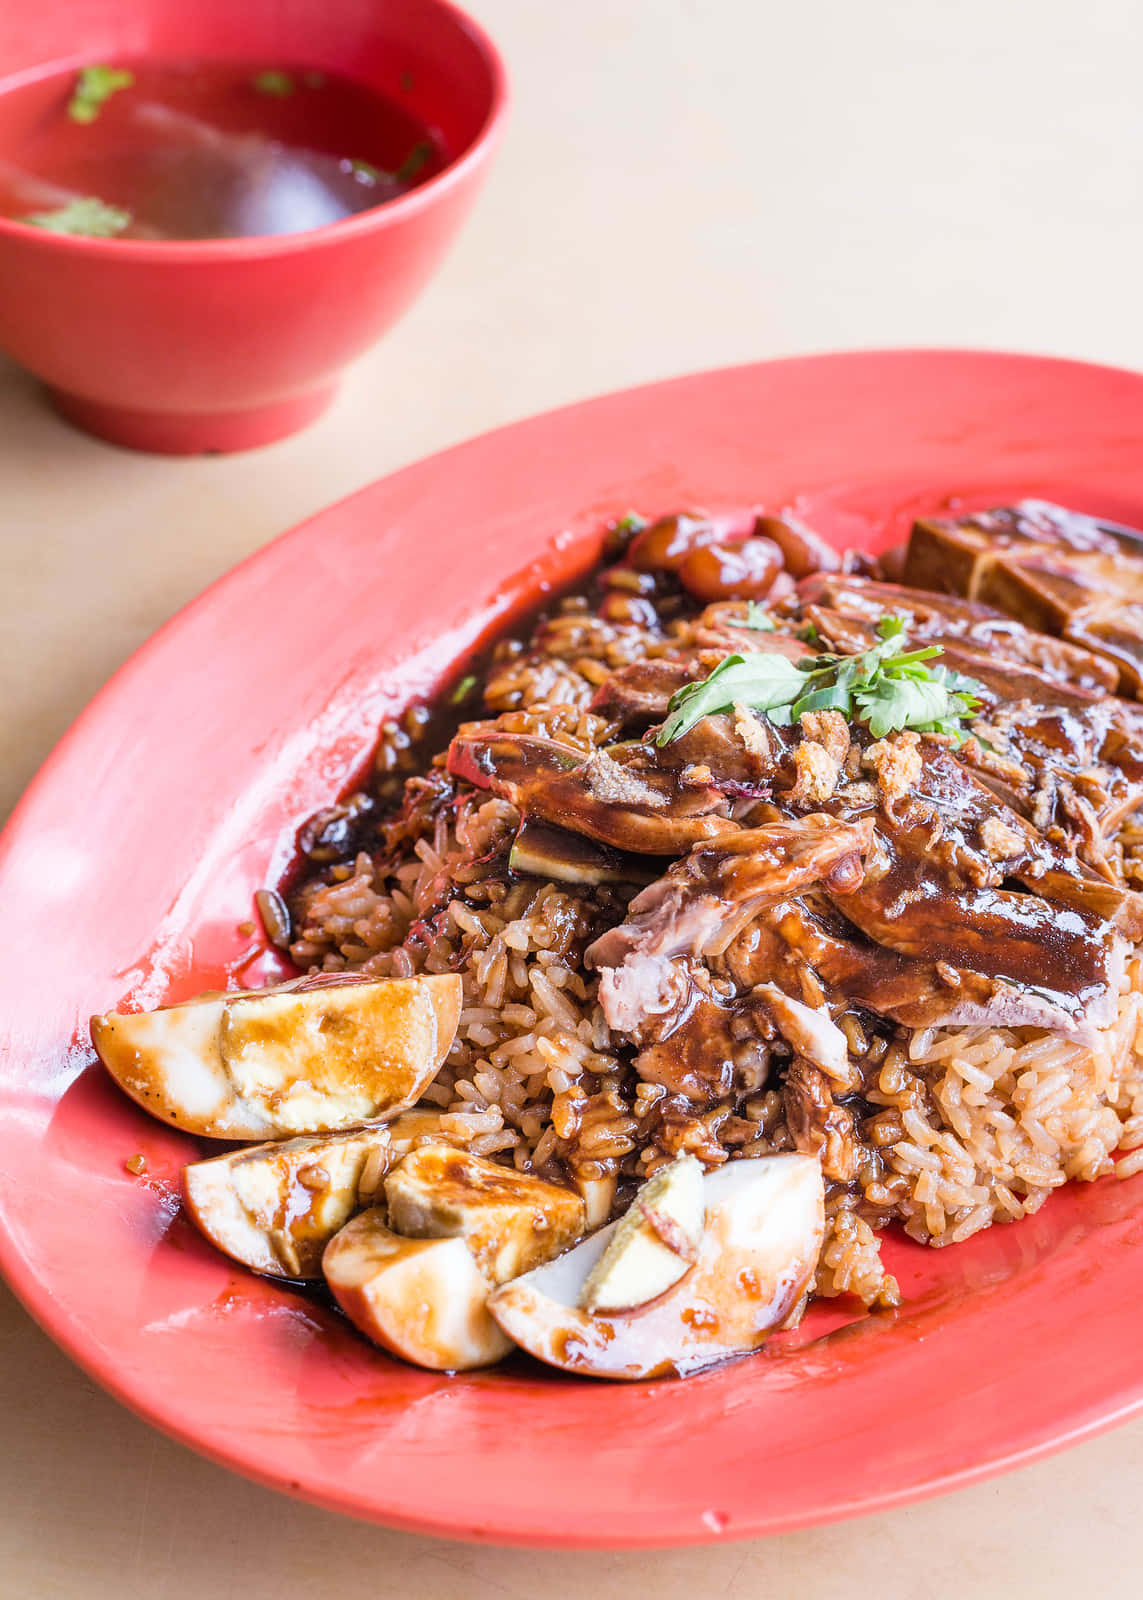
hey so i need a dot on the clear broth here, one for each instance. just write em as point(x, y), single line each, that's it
point(212, 150)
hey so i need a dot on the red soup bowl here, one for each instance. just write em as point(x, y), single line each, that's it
point(222, 344)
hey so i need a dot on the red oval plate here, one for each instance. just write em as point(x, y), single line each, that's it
point(130, 864)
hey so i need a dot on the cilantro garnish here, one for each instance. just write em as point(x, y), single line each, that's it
point(757, 617)
point(93, 88)
point(364, 171)
point(86, 217)
point(463, 689)
point(421, 153)
point(885, 687)
point(279, 85)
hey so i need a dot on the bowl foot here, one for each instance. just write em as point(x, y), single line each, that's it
point(192, 433)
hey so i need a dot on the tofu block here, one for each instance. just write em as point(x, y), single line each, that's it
point(509, 1220)
point(948, 557)
point(1057, 571)
point(303, 1057)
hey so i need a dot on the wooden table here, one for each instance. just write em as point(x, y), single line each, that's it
point(684, 185)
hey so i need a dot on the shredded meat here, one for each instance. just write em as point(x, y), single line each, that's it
point(707, 897)
point(651, 810)
point(817, 1124)
point(810, 1030)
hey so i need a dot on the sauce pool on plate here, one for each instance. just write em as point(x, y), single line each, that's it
point(204, 150)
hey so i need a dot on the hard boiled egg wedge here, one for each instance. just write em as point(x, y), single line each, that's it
point(761, 1240)
point(275, 1207)
point(654, 1243)
point(597, 1195)
point(509, 1220)
point(415, 1277)
point(305, 1057)
point(425, 1300)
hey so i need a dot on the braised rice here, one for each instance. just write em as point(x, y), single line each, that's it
point(970, 1126)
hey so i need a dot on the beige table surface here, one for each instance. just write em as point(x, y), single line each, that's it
point(686, 183)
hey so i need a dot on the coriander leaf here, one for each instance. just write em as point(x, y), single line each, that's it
point(766, 682)
point(929, 704)
point(421, 153)
point(278, 85)
point(807, 634)
point(832, 697)
point(93, 88)
point(463, 689)
point(757, 618)
point(884, 686)
point(906, 703)
point(365, 171)
point(85, 218)
point(959, 683)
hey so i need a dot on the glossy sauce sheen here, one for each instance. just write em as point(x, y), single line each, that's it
point(198, 150)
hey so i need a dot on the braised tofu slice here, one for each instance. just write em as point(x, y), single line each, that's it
point(509, 1220)
point(275, 1207)
point(654, 1243)
point(308, 1057)
point(1057, 571)
point(953, 555)
point(763, 1234)
point(425, 1300)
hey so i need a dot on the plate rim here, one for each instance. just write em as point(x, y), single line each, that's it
point(55, 1319)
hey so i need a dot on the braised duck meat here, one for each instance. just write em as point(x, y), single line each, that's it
point(704, 899)
point(623, 799)
point(947, 619)
point(724, 628)
point(1067, 757)
point(638, 695)
point(806, 942)
point(936, 888)
point(1075, 772)
point(709, 1048)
